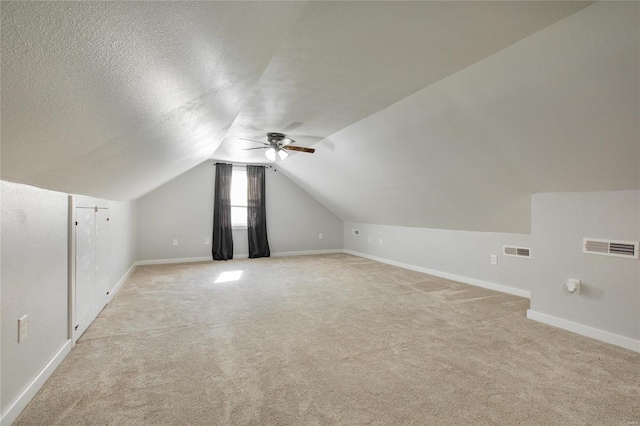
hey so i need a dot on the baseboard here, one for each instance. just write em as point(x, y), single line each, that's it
point(20, 403)
point(117, 287)
point(235, 256)
point(293, 253)
point(594, 333)
point(306, 252)
point(177, 260)
point(478, 283)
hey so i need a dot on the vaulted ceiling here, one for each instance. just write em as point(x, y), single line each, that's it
point(421, 113)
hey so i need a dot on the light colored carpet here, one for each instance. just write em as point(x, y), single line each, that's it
point(332, 339)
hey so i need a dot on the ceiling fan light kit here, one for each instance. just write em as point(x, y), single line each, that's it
point(271, 154)
point(278, 143)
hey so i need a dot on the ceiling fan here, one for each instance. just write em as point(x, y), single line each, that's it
point(278, 143)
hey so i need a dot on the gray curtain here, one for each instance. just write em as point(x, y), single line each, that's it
point(256, 213)
point(222, 231)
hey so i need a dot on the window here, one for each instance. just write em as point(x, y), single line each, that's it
point(239, 198)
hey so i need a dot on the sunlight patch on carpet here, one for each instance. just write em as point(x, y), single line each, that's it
point(228, 276)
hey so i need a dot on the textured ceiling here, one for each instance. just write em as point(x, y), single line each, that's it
point(112, 99)
point(431, 114)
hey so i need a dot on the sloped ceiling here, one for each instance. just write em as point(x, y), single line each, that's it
point(558, 111)
point(343, 61)
point(434, 114)
point(112, 99)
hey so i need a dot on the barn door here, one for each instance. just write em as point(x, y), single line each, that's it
point(85, 297)
point(92, 285)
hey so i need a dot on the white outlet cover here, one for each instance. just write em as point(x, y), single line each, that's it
point(175, 242)
point(380, 241)
point(320, 236)
point(494, 259)
point(207, 240)
point(573, 286)
point(369, 239)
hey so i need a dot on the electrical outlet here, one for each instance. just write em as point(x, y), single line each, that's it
point(175, 241)
point(355, 232)
point(207, 241)
point(369, 239)
point(22, 328)
point(380, 241)
point(320, 236)
point(573, 286)
point(494, 259)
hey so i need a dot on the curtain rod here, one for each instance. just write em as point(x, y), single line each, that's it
point(266, 166)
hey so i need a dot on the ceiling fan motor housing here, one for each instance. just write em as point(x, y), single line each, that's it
point(275, 137)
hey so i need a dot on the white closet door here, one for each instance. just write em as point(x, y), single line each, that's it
point(103, 286)
point(85, 270)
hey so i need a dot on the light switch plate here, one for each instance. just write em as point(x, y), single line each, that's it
point(23, 327)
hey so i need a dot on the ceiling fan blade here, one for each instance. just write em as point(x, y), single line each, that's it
point(300, 148)
point(260, 147)
point(294, 125)
point(251, 140)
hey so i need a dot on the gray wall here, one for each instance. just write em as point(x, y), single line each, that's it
point(610, 298)
point(122, 230)
point(34, 278)
point(463, 253)
point(183, 209)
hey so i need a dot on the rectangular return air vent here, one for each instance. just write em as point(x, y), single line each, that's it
point(626, 249)
point(516, 251)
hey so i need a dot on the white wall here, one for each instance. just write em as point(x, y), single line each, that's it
point(183, 209)
point(610, 297)
point(34, 281)
point(462, 255)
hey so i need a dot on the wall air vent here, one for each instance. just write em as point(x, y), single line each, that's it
point(626, 249)
point(516, 251)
